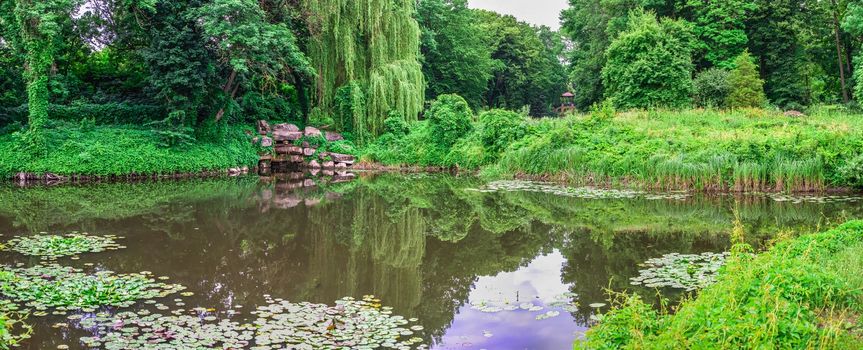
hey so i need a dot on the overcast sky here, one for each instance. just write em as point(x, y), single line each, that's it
point(542, 12)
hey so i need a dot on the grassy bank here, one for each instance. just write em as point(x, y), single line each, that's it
point(742, 150)
point(801, 294)
point(123, 150)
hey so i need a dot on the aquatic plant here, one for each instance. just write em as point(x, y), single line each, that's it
point(350, 323)
point(66, 288)
point(681, 271)
point(13, 328)
point(55, 246)
point(578, 192)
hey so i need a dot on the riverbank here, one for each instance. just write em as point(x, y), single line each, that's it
point(748, 150)
point(124, 152)
point(803, 293)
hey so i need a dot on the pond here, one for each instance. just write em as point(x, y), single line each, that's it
point(506, 265)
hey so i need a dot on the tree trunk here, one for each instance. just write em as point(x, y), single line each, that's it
point(229, 87)
point(839, 51)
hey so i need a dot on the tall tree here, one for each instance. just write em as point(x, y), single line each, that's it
point(650, 63)
point(720, 29)
point(773, 30)
point(455, 56)
point(40, 24)
point(374, 43)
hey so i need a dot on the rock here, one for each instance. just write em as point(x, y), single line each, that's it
point(323, 155)
point(263, 127)
point(342, 158)
point(297, 175)
point(256, 140)
point(282, 149)
point(311, 202)
point(295, 150)
point(285, 127)
point(287, 202)
point(234, 171)
point(314, 164)
point(308, 152)
point(245, 169)
point(266, 142)
point(794, 114)
point(328, 164)
point(296, 159)
point(305, 144)
point(309, 183)
point(314, 172)
point(284, 135)
point(312, 131)
point(341, 166)
point(333, 136)
point(329, 173)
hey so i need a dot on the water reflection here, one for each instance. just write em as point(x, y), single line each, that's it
point(427, 245)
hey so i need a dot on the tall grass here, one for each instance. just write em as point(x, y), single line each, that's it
point(748, 150)
point(784, 298)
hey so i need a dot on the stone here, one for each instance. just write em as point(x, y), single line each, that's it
point(323, 155)
point(282, 149)
point(329, 173)
point(234, 171)
point(256, 140)
point(311, 202)
point(295, 150)
point(266, 142)
point(312, 131)
point(305, 144)
point(263, 127)
point(333, 136)
point(308, 152)
point(794, 114)
point(286, 127)
point(309, 183)
point(341, 166)
point(245, 169)
point(328, 164)
point(284, 135)
point(296, 159)
point(314, 164)
point(342, 158)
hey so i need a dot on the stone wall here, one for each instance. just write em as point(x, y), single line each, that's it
point(289, 148)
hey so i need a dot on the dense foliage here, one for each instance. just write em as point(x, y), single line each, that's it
point(784, 298)
point(803, 49)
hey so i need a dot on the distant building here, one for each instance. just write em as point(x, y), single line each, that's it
point(567, 104)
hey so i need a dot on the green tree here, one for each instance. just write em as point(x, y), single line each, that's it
point(455, 56)
point(710, 88)
point(528, 69)
point(39, 23)
point(650, 64)
point(747, 88)
point(721, 30)
point(250, 47)
point(373, 42)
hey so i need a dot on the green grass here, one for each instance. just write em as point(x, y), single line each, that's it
point(707, 150)
point(121, 150)
point(801, 294)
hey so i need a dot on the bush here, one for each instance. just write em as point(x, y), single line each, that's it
point(852, 172)
point(396, 125)
point(500, 128)
point(650, 63)
point(747, 88)
point(102, 114)
point(710, 88)
point(449, 120)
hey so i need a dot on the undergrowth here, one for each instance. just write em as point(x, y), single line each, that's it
point(119, 150)
point(706, 150)
point(784, 298)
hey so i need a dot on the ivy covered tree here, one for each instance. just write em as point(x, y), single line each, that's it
point(650, 63)
point(39, 23)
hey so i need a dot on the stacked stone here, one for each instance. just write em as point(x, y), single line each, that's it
point(286, 151)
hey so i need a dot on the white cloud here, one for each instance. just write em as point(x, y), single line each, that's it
point(540, 12)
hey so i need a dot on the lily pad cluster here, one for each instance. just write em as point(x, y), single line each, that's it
point(350, 324)
point(57, 246)
point(577, 192)
point(681, 271)
point(13, 329)
point(566, 302)
point(66, 288)
point(797, 199)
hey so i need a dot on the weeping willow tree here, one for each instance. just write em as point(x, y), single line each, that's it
point(371, 48)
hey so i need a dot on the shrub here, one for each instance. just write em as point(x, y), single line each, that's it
point(747, 88)
point(650, 63)
point(500, 128)
point(449, 120)
point(396, 125)
point(852, 172)
point(710, 88)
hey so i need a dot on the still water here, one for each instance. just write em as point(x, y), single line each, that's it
point(434, 247)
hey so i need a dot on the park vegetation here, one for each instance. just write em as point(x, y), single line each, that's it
point(671, 95)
